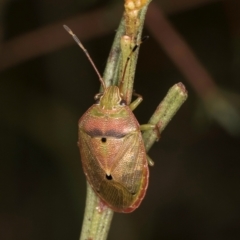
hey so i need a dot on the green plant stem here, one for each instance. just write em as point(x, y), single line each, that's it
point(96, 222)
point(127, 88)
point(165, 111)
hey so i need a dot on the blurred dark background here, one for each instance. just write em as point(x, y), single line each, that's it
point(194, 185)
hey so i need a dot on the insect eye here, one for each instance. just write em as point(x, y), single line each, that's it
point(109, 177)
point(103, 139)
point(97, 97)
point(123, 102)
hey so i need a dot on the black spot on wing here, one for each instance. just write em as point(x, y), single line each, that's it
point(109, 177)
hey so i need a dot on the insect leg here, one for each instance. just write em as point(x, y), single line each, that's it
point(150, 161)
point(136, 102)
point(128, 59)
point(148, 126)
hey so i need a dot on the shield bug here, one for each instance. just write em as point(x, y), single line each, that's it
point(112, 150)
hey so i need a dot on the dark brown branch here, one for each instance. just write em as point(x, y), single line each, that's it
point(53, 37)
point(178, 50)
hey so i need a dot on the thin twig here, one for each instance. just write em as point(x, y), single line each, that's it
point(165, 111)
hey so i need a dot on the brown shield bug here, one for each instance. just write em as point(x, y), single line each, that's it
point(112, 150)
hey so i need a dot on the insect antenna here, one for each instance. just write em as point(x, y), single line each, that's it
point(86, 52)
point(129, 57)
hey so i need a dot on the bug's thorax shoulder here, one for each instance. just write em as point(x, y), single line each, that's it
point(109, 104)
point(109, 112)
